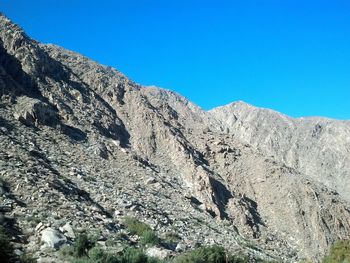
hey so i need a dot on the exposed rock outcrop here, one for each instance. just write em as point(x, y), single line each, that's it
point(33, 112)
point(315, 146)
point(52, 238)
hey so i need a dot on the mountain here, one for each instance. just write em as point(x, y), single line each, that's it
point(317, 147)
point(84, 147)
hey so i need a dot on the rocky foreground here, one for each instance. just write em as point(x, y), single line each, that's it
point(83, 148)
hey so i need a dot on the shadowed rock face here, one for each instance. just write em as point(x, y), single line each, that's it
point(81, 143)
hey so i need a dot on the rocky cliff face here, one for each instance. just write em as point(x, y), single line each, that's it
point(85, 146)
point(317, 147)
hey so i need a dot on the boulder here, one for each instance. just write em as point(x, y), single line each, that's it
point(68, 231)
point(151, 180)
point(180, 247)
point(52, 238)
point(32, 112)
point(157, 252)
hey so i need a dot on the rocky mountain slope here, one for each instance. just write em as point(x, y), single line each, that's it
point(317, 147)
point(83, 147)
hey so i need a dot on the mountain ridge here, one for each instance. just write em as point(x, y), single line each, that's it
point(243, 103)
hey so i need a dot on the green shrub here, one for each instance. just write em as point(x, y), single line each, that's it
point(155, 260)
point(130, 255)
point(81, 260)
point(82, 245)
point(109, 258)
point(240, 259)
point(172, 237)
point(149, 237)
point(339, 252)
point(214, 254)
point(67, 251)
point(26, 259)
point(6, 249)
point(135, 226)
point(133, 255)
point(96, 254)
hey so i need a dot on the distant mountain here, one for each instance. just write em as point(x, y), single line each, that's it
point(317, 147)
point(82, 147)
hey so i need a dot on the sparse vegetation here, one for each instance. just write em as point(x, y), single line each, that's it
point(82, 245)
point(67, 251)
point(213, 254)
point(339, 252)
point(136, 227)
point(26, 259)
point(84, 250)
point(130, 255)
point(97, 255)
point(149, 238)
point(172, 237)
point(133, 255)
point(81, 260)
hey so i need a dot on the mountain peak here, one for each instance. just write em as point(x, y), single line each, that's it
point(236, 104)
point(8, 29)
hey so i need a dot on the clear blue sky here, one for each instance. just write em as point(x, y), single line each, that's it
point(292, 55)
